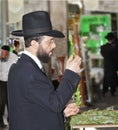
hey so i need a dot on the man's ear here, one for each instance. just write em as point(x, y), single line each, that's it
point(34, 44)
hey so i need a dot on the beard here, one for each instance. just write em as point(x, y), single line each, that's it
point(4, 59)
point(43, 55)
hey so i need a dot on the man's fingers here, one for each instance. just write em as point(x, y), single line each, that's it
point(71, 58)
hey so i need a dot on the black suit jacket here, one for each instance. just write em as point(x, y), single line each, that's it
point(109, 53)
point(33, 102)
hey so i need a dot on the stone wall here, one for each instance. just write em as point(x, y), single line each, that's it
point(108, 5)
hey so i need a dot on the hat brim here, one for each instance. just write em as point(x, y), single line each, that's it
point(109, 37)
point(106, 37)
point(53, 33)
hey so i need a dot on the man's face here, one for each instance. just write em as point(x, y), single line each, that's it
point(46, 48)
point(4, 55)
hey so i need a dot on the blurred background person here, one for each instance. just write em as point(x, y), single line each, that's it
point(6, 60)
point(16, 46)
point(116, 42)
point(56, 72)
point(109, 53)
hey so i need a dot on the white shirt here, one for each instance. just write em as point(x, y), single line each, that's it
point(37, 61)
point(5, 66)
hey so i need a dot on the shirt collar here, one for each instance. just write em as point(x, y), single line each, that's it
point(37, 61)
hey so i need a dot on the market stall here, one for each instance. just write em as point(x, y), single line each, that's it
point(76, 127)
point(95, 118)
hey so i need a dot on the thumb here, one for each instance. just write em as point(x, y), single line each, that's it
point(71, 58)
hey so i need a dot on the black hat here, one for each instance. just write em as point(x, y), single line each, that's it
point(5, 47)
point(110, 36)
point(37, 23)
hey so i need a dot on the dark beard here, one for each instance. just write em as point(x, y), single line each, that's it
point(43, 58)
point(3, 59)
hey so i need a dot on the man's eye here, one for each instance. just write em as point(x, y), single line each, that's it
point(52, 41)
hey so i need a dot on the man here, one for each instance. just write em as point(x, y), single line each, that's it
point(56, 74)
point(16, 46)
point(109, 53)
point(34, 104)
point(6, 60)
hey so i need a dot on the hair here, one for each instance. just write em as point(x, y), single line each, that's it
point(5, 47)
point(28, 39)
point(16, 43)
point(110, 36)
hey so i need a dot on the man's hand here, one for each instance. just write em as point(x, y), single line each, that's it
point(73, 63)
point(71, 109)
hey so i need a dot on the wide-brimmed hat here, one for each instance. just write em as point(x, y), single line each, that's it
point(110, 36)
point(37, 22)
